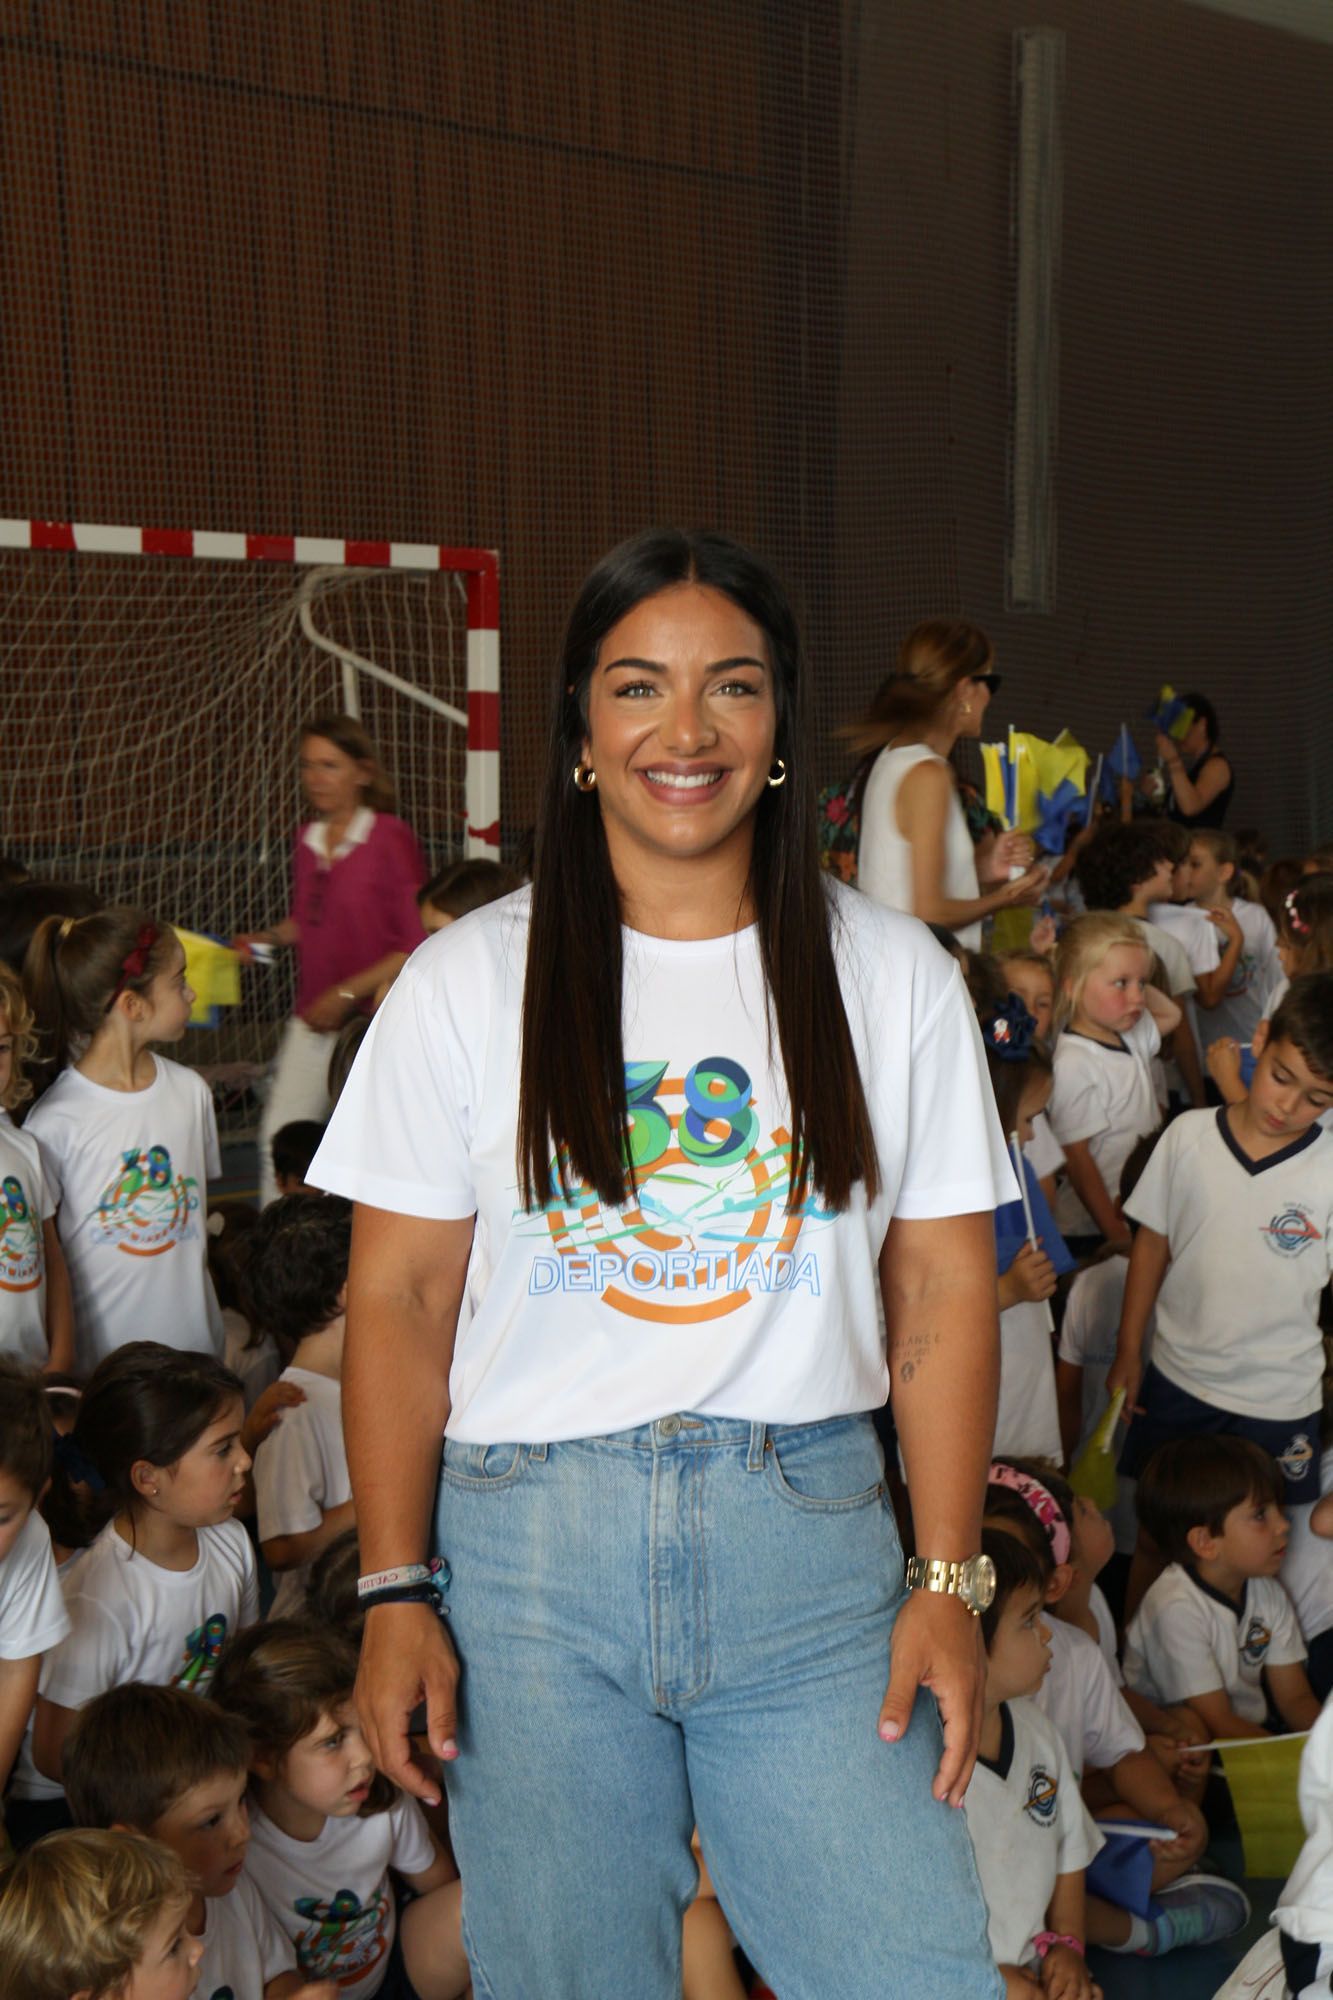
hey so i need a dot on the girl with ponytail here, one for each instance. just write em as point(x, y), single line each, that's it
point(127, 1138)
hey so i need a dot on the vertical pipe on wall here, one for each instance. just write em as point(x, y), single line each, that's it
point(1034, 328)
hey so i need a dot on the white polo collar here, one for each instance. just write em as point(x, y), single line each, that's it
point(358, 831)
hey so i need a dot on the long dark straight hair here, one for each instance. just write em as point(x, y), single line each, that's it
point(572, 1071)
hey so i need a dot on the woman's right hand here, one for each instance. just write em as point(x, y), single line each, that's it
point(1026, 890)
point(407, 1657)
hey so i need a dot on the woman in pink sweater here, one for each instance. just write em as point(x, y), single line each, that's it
point(354, 918)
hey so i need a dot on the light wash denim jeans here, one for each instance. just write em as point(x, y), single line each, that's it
point(689, 1622)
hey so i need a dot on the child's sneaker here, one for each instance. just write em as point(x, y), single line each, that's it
point(1196, 1909)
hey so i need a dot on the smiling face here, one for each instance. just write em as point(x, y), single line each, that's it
point(681, 723)
point(208, 1826)
point(329, 1771)
point(202, 1488)
point(1113, 992)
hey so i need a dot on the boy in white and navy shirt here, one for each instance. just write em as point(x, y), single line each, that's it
point(1233, 1248)
point(1217, 1631)
point(1031, 1833)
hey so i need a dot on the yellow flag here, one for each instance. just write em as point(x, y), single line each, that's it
point(992, 760)
point(213, 970)
point(1093, 1473)
point(1262, 1779)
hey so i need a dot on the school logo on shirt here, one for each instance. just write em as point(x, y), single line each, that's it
point(345, 1937)
point(203, 1649)
point(1043, 1792)
point(20, 1239)
point(1258, 1638)
point(1296, 1457)
point(1291, 1232)
point(146, 1209)
point(709, 1226)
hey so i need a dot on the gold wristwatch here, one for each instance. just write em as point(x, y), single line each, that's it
point(973, 1581)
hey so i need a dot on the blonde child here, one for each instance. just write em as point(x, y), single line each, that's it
point(326, 1828)
point(97, 1916)
point(157, 1444)
point(127, 1138)
point(174, 1766)
point(1111, 1020)
point(1031, 1833)
point(36, 1315)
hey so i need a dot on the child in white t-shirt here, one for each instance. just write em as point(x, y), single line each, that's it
point(128, 1139)
point(157, 1443)
point(1304, 1913)
point(101, 1916)
point(1207, 875)
point(296, 1279)
point(1111, 1025)
point(1307, 1578)
point(1120, 1776)
point(1233, 1248)
point(1217, 1630)
point(36, 1317)
point(327, 1829)
point(1026, 1418)
point(175, 1767)
point(1031, 1833)
point(32, 1610)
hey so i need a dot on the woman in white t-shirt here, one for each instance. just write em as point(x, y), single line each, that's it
point(128, 1140)
point(915, 851)
point(673, 1575)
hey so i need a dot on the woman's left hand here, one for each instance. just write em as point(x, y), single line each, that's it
point(327, 1011)
point(1168, 750)
point(937, 1645)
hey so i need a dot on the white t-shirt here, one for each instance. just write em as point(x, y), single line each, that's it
point(32, 1607)
point(1105, 1095)
point(1088, 1335)
point(1027, 1421)
point(1028, 1827)
point(128, 1171)
point(1187, 1639)
point(1043, 1151)
point(25, 1204)
point(257, 1367)
point(244, 1947)
point(1080, 1695)
point(704, 1295)
point(1106, 1633)
point(1258, 969)
point(1307, 1567)
point(1200, 940)
point(132, 1620)
point(1251, 1247)
point(332, 1896)
point(884, 858)
point(300, 1472)
point(1305, 1907)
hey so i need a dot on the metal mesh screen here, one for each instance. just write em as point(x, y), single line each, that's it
point(530, 276)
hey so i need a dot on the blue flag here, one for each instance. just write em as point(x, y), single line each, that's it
point(1011, 1230)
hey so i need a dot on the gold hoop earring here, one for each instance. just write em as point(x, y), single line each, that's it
point(778, 775)
point(585, 778)
point(967, 708)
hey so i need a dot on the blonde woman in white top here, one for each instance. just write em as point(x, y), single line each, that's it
point(916, 853)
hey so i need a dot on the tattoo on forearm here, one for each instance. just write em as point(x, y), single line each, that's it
point(909, 1353)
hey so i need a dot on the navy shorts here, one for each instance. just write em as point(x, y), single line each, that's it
point(1169, 1412)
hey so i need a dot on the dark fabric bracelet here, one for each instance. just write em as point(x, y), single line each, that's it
point(406, 1593)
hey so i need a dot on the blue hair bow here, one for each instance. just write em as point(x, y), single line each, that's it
point(78, 1465)
point(1010, 1031)
point(1055, 810)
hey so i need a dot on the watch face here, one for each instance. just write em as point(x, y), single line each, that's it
point(976, 1585)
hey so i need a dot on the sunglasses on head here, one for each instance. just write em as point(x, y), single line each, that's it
point(991, 681)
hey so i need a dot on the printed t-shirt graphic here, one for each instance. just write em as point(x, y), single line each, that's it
point(146, 1208)
point(25, 1205)
point(345, 1937)
point(700, 1292)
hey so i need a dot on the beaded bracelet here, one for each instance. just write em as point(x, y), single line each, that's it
point(383, 1586)
point(1046, 1940)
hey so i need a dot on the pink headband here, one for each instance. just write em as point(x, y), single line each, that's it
point(1043, 1504)
point(1294, 917)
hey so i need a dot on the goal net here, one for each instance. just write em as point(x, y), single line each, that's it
point(153, 692)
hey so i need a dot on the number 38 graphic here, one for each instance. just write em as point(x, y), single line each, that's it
point(716, 1090)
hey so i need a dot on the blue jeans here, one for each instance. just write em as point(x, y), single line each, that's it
point(689, 1622)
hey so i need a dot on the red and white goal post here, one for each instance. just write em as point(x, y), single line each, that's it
point(154, 683)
